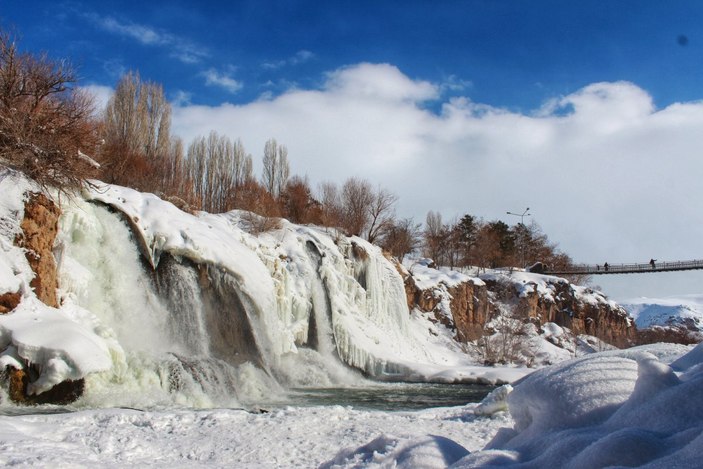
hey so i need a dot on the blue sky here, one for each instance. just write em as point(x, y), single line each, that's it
point(588, 112)
point(504, 53)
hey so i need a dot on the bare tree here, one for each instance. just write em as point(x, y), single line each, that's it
point(276, 169)
point(242, 164)
point(381, 214)
point(331, 204)
point(299, 205)
point(46, 125)
point(219, 169)
point(136, 131)
point(402, 237)
point(434, 236)
point(356, 197)
point(138, 117)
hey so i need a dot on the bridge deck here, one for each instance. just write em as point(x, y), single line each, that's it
point(588, 269)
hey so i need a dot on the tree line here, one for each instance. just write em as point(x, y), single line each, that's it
point(51, 131)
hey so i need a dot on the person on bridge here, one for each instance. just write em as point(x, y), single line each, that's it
point(652, 263)
point(605, 266)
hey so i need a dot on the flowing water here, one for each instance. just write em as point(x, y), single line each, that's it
point(393, 396)
point(375, 396)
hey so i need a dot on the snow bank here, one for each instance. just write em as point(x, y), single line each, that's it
point(615, 408)
point(545, 286)
point(292, 437)
point(61, 348)
point(496, 401)
point(609, 409)
point(427, 277)
point(389, 451)
point(15, 273)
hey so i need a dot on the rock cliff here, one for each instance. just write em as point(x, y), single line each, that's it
point(38, 230)
point(461, 306)
point(39, 227)
point(541, 299)
point(466, 304)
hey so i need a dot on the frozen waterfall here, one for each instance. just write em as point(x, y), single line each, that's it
point(199, 312)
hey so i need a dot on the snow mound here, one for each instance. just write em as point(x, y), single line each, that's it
point(61, 348)
point(624, 408)
point(496, 401)
point(388, 451)
point(614, 408)
point(427, 276)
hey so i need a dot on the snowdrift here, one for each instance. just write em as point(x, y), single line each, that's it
point(618, 408)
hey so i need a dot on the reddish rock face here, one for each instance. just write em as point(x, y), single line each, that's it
point(9, 301)
point(39, 228)
point(61, 394)
point(468, 303)
point(471, 307)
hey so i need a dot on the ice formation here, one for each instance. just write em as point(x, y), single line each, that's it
point(195, 310)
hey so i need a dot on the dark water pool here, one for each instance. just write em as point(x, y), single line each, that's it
point(390, 397)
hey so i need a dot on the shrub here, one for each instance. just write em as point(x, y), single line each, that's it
point(47, 129)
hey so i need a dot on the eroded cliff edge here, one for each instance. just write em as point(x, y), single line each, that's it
point(467, 304)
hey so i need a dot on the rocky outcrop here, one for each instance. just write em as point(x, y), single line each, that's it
point(470, 307)
point(467, 304)
point(61, 394)
point(582, 310)
point(9, 301)
point(39, 228)
point(38, 233)
point(462, 306)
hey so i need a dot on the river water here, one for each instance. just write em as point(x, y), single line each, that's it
point(391, 396)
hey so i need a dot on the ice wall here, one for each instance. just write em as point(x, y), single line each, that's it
point(171, 340)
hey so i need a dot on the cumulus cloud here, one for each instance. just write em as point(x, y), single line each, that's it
point(379, 81)
point(606, 174)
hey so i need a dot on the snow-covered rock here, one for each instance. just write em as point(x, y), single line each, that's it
point(544, 298)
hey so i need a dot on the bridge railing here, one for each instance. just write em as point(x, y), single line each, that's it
point(598, 269)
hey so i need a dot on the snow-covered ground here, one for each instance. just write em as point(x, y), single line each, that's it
point(294, 437)
point(624, 408)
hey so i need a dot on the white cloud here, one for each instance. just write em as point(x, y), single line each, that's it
point(141, 33)
point(455, 84)
point(180, 48)
point(222, 80)
point(102, 95)
point(298, 58)
point(379, 81)
point(606, 174)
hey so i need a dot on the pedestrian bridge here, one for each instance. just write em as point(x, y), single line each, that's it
point(600, 269)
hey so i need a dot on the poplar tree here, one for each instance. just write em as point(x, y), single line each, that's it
point(276, 169)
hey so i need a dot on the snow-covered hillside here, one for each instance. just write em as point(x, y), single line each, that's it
point(681, 310)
